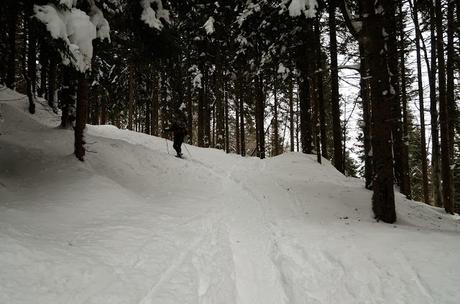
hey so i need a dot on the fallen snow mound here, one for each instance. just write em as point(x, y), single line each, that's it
point(133, 224)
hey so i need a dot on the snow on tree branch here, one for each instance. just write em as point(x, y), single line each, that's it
point(308, 7)
point(152, 17)
point(209, 26)
point(75, 28)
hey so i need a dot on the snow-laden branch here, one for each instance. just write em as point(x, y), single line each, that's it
point(307, 7)
point(76, 28)
point(152, 17)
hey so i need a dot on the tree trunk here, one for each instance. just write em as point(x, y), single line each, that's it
point(435, 155)
point(105, 100)
point(321, 100)
point(242, 126)
point(335, 104)
point(13, 11)
point(219, 108)
point(227, 135)
point(373, 41)
point(450, 89)
point(291, 113)
point(275, 117)
point(260, 114)
point(131, 85)
point(237, 100)
point(426, 196)
point(305, 114)
point(44, 64)
point(189, 113)
point(67, 97)
point(201, 115)
point(400, 128)
point(51, 94)
point(80, 125)
point(367, 119)
point(444, 115)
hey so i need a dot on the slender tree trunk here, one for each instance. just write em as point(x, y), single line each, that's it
point(237, 100)
point(373, 41)
point(450, 87)
point(52, 79)
point(426, 195)
point(405, 176)
point(291, 113)
point(189, 113)
point(367, 119)
point(67, 97)
point(305, 115)
point(28, 41)
point(131, 85)
point(201, 114)
point(275, 117)
point(105, 100)
point(335, 104)
point(155, 105)
point(227, 129)
point(44, 64)
point(260, 113)
point(435, 155)
point(242, 122)
point(207, 113)
point(13, 11)
point(80, 125)
point(219, 108)
point(444, 115)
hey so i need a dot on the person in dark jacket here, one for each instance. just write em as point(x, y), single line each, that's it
point(179, 130)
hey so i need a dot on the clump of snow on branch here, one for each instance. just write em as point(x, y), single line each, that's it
point(209, 26)
point(152, 17)
point(76, 29)
point(68, 3)
point(308, 7)
point(102, 25)
point(197, 75)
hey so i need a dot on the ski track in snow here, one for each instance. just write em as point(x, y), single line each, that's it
point(135, 225)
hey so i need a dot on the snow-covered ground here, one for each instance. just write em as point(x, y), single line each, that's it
point(135, 225)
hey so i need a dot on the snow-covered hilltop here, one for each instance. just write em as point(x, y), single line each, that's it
point(133, 224)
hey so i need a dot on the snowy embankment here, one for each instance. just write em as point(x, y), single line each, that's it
point(135, 225)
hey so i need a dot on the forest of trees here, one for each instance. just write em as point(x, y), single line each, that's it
point(257, 78)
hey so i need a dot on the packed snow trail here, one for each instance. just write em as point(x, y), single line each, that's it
point(135, 225)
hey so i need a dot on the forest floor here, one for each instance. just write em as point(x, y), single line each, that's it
point(134, 224)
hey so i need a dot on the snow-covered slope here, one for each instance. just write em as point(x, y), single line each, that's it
point(135, 225)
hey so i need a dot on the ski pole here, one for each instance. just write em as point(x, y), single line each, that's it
point(187, 150)
point(167, 146)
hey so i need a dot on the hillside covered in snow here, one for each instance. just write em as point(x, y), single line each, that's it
point(133, 224)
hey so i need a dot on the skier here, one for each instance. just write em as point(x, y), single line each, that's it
point(178, 127)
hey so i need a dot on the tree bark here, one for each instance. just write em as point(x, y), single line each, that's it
point(13, 11)
point(373, 41)
point(435, 155)
point(242, 121)
point(426, 196)
point(335, 104)
point(275, 117)
point(444, 115)
point(131, 85)
point(260, 115)
point(80, 125)
point(367, 119)
point(291, 113)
